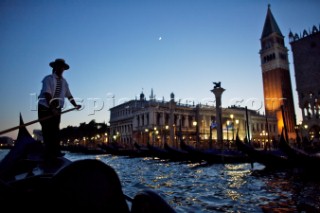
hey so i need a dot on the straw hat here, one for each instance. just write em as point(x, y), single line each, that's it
point(58, 63)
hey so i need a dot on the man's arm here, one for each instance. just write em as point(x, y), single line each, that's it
point(72, 101)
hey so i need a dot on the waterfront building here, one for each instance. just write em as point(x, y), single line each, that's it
point(158, 121)
point(276, 76)
point(306, 57)
point(6, 142)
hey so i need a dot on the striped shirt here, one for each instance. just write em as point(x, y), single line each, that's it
point(58, 88)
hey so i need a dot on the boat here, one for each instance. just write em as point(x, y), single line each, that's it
point(181, 155)
point(215, 155)
point(157, 152)
point(26, 155)
point(302, 160)
point(30, 183)
point(274, 159)
point(170, 153)
point(84, 150)
point(115, 149)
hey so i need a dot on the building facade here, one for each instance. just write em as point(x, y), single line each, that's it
point(157, 122)
point(306, 57)
point(277, 87)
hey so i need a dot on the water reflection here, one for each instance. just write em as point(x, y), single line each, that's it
point(289, 192)
point(198, 187)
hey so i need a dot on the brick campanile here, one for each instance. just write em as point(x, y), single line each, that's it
point(276, 76)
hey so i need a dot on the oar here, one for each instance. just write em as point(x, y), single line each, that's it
point(32, 122)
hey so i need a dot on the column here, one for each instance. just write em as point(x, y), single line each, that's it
point(217, 91)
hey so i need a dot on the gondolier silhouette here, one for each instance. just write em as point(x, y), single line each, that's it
point(51, 100)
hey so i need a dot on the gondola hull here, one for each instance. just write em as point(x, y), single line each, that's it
point(302, 160)
point(215, 156)
point(271, 159)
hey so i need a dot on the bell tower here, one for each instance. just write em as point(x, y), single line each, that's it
point(276, 76)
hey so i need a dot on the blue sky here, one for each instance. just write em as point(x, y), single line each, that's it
point(118, 48)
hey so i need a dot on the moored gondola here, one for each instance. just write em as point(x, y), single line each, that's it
point(157, 152)
point(302, 160)
point(271, 159)
point(181, 155)
point(215, 155)
point(120, 151)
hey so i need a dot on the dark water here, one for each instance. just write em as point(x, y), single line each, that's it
point(214, 188)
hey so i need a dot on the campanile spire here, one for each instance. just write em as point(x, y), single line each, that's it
point(276, 75)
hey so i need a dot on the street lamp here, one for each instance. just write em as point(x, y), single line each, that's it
point(306, 130)
point(165, 133)
point(237, 123)
point(154, 135)
point(147, 134)
point(228, 123)
point(195, 124)
point(264, 136)
point(232, 123)
point(298, 138)
point(210, 136)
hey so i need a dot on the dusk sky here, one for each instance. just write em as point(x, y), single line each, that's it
point(118, 48)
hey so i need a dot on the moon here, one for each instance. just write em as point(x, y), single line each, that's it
point(160, 38)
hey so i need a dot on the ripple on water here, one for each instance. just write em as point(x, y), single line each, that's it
point(194, 187)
